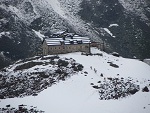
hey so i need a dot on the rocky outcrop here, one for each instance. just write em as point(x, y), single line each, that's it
point(33, 75)
point(123, 24)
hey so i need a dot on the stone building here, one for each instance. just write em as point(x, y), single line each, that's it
point(98, 45)
point(65, 43)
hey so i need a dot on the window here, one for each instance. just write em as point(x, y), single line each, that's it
point(86, 47)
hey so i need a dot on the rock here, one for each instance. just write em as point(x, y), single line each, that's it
point(145, 89)
point(114, 65)
point(133, 91)
point(109, 78)
point(96, 87)
point(99, 82)
point(35, 94)
point(115, 54)
point(86, 72)
point(8, 105)
point(101, 75)
point(92, 84)
point(1, 96)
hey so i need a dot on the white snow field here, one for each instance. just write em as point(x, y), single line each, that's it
point(76, 95)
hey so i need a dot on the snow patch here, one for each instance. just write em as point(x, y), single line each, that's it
point(109, 32)
point(113, 25)
point(56, 7)
point(41, 36)
point(4, 33)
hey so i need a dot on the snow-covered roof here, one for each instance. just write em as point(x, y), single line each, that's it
point(67, 40)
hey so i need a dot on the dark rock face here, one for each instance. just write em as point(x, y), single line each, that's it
point(101, 13)
point(4, 61)
point(131, 34)
point(18, 41)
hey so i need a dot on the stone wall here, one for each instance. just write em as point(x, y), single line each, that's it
point(61, 49)
point(99, 45)
point(45, 48)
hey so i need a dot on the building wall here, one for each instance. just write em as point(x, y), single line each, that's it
point(147, 61)
point(61, 49)
point(45, 48)
point(99, 45)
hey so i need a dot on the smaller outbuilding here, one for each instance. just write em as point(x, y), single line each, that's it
point(147, 61)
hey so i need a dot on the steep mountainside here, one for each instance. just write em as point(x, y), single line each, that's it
point(20, 20)
point(123, 24)
point(17, 40)
point(126, 21)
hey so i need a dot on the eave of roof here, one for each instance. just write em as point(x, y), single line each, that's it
point(67, 40)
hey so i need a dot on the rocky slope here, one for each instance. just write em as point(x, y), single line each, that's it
point(126, 24)
point(123, 24)
point(17, 40)
point(33, 75)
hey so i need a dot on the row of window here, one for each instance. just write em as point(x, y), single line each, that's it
point(77, 47)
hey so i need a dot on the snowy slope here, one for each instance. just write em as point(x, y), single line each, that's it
point(76, 95)
point(56, 7)
point(136, 7)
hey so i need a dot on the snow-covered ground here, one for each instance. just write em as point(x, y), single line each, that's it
point(76, 95)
